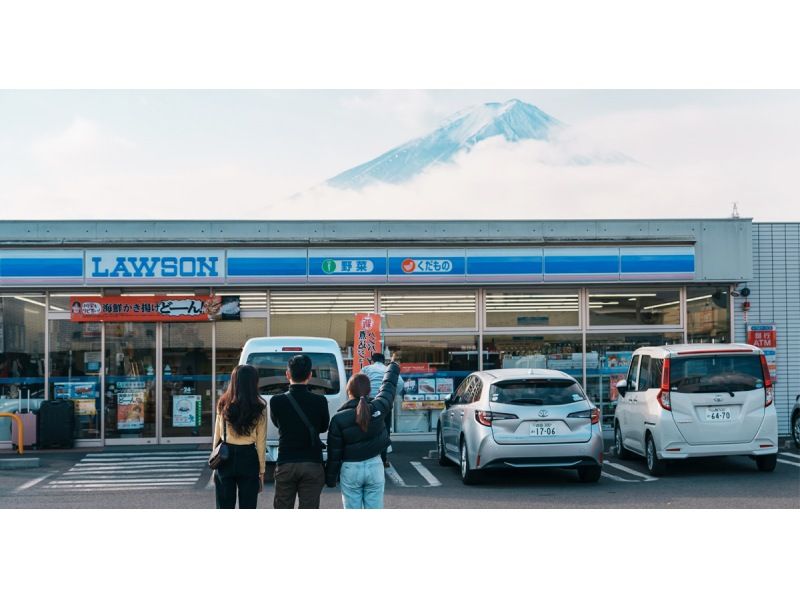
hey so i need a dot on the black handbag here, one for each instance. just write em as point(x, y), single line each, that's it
point(219, 454)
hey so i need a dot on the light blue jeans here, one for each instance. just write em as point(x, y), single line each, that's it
point(362, 484)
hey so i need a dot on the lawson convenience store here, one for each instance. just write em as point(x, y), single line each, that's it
point(455, 296)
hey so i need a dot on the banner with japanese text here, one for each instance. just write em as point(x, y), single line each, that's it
point(765, 337)
point(154, 308)
point(367, 331)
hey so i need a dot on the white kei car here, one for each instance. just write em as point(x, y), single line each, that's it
point(703, 400)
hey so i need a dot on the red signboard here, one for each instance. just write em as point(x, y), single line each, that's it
point(765, 337)
point(154, 308)
point(367, 339)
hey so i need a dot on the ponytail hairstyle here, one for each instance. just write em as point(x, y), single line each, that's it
point(241, 405)
point(358, 387)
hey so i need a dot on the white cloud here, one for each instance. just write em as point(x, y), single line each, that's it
point(83, 144)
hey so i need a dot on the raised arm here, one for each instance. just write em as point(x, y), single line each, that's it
point(388, 388)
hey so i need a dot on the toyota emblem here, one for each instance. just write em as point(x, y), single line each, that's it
point(543, 413)
point(718, 399)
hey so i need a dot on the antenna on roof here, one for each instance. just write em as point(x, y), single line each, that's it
point(735, 212)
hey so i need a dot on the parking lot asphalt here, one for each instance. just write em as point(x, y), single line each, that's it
point(179, 478)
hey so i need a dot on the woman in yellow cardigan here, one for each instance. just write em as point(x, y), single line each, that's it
point(242, 424)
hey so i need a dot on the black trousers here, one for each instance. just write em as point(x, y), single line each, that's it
point(238, 475)
point(302, 481)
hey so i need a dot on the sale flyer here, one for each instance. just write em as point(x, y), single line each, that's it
point(130, 410)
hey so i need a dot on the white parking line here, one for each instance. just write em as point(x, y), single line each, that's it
point(616, 478)
point(788, 462)
point(392, 474)
point(790, 455)
point(425, 473)
point(31, 483)
point(646, 478)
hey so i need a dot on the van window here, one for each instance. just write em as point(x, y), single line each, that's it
point(536, 392)
point(716, 373)
point(272, 372)
point(656, 370)
point(633, 374)
point(644, 374)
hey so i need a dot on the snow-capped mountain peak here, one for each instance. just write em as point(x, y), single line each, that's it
point(514, 120)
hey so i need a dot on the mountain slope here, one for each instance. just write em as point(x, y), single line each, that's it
point(513, 120)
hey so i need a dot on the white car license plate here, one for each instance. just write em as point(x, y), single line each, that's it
point(718, 414)
point(544, 429)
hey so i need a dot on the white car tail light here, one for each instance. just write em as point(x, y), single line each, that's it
point(485, 418)
point(663, 393)
point(769, 390)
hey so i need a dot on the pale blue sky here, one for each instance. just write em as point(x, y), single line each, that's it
point(72, 152)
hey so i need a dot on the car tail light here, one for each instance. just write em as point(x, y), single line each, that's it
point(593, 413)
point(663, 397)
point(485, 418)
point(769, 391)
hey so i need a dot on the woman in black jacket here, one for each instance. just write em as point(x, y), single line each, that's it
point(356, 437)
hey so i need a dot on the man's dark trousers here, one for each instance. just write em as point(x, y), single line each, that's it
point(303, 481)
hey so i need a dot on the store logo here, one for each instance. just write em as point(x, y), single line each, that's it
point(154, 267)
point(426, 266)
point(354, 266)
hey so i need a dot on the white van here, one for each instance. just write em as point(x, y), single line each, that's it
point(270, 356)
point(703, 400)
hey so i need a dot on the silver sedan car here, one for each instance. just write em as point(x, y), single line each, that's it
point(520, 418)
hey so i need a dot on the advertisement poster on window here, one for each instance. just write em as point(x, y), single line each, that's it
point(84, 395)
point(130, 410)
point(367, 332)
point(765, 337)
point(613, 379)
point(617, 361)
point(154, 308)
point(186, 411)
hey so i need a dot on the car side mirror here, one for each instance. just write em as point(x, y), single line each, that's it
point(622, 387)
point(449, 401)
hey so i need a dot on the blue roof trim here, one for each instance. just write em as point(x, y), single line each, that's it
point(43, 267)
point(266, 266)
point(639, 264)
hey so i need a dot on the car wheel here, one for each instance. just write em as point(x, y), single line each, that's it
point(590, 473)
point(619, 448)
point(443, 460)
point(767, 462)
point(655, 466)
point(796, 430)
point(468, 475)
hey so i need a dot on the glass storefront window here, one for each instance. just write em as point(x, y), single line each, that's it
point(130, 388)
point(75, 361)
point(21, 355)
point(186, 383)
point(231, 337)
point(621, 306)
point(563, 352)
point(708, 314)
point(525, 308)
point(328, 314)
point(432, 367)
point(607, 359)
point(421, 308)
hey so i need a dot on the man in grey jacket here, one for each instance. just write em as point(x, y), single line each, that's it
point(375, 372)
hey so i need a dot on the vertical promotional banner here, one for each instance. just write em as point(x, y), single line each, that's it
point(367, 339)
point(765, 337)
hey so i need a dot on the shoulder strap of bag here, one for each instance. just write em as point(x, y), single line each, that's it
point(224, 430)
point(311, 431)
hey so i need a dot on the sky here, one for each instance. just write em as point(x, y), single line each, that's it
point(266, 154)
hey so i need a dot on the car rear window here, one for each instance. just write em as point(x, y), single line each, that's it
point(716, 373)
point(272, 372)
point(536, 392)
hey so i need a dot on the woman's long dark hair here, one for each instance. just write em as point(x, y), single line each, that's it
point(240, 404)
point(358, 387)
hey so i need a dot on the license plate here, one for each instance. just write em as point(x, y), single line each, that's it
point(544, 429)
point(718, 414)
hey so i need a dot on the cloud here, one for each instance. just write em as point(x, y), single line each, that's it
point(414, 112)
point(692, 161)
point(83, 144)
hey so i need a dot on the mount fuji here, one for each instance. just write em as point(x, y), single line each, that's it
point(513, 120)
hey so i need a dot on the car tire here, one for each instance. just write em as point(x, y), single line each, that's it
point(442, 453)
point(468, 475)
point(767, 462)
point(269, 472)
point(655, 466)
point(619, 449)
point(590, 473)
point(796, 430)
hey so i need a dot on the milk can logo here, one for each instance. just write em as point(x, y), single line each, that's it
point(426, 266)
point(347, 266)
